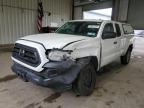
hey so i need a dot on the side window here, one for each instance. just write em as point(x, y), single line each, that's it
point(127, 29)
point(108, 31)
point(108, 28)
point(118, 31)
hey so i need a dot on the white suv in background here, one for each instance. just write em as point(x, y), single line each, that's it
point(71, 57)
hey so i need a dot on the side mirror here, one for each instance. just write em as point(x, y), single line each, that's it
point(108, 35)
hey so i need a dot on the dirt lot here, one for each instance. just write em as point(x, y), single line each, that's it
point(118, 87)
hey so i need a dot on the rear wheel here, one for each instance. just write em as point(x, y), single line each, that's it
point(85, 83)
point(126, 58)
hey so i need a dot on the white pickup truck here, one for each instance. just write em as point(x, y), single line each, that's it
point(71, 57)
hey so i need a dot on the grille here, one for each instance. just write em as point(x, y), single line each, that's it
point(26, 54)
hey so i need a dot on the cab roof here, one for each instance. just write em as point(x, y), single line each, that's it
point(94, 20)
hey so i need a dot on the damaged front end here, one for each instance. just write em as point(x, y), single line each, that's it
point(59, 73)
point(63, 73)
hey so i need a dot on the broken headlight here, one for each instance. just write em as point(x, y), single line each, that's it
point(59, 55)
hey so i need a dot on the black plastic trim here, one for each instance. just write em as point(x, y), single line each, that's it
point(59, 82)
point(19, 57)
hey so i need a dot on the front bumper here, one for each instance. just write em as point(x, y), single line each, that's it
point(62, 80)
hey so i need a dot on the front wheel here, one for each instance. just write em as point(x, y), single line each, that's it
point(126, 58)
point(85, 83)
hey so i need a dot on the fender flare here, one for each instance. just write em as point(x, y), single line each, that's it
point(130, 47)
point(85, 60)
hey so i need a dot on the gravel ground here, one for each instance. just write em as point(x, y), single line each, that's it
point(118, 87)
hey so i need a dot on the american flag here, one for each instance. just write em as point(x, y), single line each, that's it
point(40, 15)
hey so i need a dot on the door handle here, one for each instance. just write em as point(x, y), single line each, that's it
point(115, 42)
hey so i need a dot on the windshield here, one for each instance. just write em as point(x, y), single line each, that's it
point(89, 29)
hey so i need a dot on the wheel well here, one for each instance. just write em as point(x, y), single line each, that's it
point(89, 59)
point(130, 47)
point(94, 61)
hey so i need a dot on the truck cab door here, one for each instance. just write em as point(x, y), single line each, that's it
point(108, 44)
point(119, 37)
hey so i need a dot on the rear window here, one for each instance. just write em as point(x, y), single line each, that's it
point(128, 29)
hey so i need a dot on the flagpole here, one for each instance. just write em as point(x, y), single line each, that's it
point(40, 15)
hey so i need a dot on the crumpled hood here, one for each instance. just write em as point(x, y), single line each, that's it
point(54, 40)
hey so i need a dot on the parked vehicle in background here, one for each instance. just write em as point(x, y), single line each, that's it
point(48, 29)
point(71, 57)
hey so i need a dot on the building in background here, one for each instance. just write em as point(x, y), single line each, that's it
point(18, 17)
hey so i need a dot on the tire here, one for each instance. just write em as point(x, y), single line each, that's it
point(126, 58)
point(85, 83)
